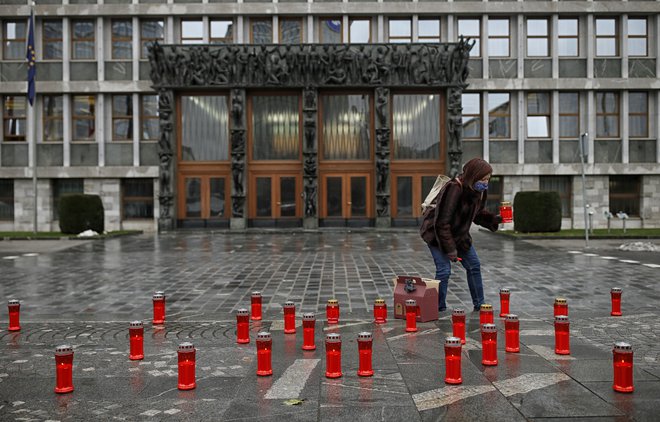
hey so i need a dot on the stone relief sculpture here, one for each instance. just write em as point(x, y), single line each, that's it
point(165, 154)
point(310, 164)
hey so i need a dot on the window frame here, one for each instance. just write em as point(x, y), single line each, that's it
point(562, 113)
point(350, 33)
point(322, 20)
point(575, 37)
point(428, 38)
point(507, 37)
point(496, 115)
point(477, 37)
point(614, 37)
point(548, 53)
point(75, 40)
point(298, 19)
point(128, 199)
point(75, 117)
point(254, 21)
point(479, 116)
point(399, 39)
point(8, 183)
point(47, 119)
point(605, 114)
point(7, 117)
point(147, 117)
point(145, 40)
point(121, 39)
point(47, 41)
point(191, 40)
point(563, 196)
point(221, 40)
point(645, 114)
point(118, 117)
point(645, 37)
point(628, 194)
point(21, 41)
point(547, 115)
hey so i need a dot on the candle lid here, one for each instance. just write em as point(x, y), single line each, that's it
point(505, 203)
point(256, 294)
point(453, 341)
point(616, 290)
point(379, 301)
point(365, 336)
point(622, 346)
point(309, 316)
point(411, 302)
point(186, 347)
point(333, 302)
point(560, 301)
point(135, 324)
point(263, 335)
point(511, 317)
point(458, 311)
point(13, 302)
point(333, 337)
point(242, 312)
point(289, 304)
point(505, 290)
point(562, 319)
point(159, 296)
point(64, 349)
point(486, 307)
point(488, 328)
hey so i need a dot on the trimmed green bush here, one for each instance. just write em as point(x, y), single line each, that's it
point(80, 212)
point(537, 212)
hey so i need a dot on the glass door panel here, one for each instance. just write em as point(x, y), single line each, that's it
point(264, 197)
point(404, 196)
point(217, 197)
point(334, 199)
point(358, 204)
point(193, 197)
point(288, 197)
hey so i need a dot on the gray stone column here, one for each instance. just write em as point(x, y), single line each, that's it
point(310, 159)
point(238, 219)
point(383, 215)
point(166, 171)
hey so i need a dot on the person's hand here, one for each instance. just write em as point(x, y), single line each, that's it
point(453, 257)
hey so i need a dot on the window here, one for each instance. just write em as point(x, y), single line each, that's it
point(330, 30)
point(638, 114)
point(82, 40)
point(416, 127)
point(537, 38)
point(83, 117)
point(606, 38)
point(538, 115)
point(204, 134)
point(52, 39)
point(471, 115)
point(192, 32)
point(122, 117)
point(291, 31)
point(471, 28)
point(499, 115)
point(498, 38)
point(345, 128)
point(625, 195)
point(261, 31)
point(6, 199)
point(569, 115)
point(607, 114)
point(62, 187)
point(563, 186)
point(400, 30)
point(137, 199)
point(222, 31)
point(637, 33)
point(14, 40)
point(13, 117)
point(149, 117)
point(568, 45)
point(276, 125)
point(122, 39)
point(359, 31)
point(495, 194)
point(53, 113)
point(428, 30)
point(151, 31)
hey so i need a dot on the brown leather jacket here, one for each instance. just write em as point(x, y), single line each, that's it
point(460, 206)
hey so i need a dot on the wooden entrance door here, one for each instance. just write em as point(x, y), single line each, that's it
point(346, 196)
point(275, 199)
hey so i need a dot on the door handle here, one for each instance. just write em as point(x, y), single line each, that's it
point(349, 203)
point(278, 203)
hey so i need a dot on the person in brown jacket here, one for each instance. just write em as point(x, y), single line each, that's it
point(462, 203)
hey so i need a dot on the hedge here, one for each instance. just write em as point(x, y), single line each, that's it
point(80, 212)
point(537, 212)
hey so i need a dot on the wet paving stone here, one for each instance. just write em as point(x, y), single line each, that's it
point(86, 294)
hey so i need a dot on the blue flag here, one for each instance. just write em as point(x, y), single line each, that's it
point(31, 57)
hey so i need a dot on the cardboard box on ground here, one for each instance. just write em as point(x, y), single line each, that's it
point(423, 290)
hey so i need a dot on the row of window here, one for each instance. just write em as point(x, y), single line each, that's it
point(290, 31)
point(83, 117)
point(539, 115)
point(137, 197)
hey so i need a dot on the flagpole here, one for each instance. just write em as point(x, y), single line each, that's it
point(31, 94)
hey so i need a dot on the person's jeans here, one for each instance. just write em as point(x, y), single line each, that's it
point(472, 265)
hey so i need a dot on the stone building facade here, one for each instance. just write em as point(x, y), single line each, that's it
point(541, 76)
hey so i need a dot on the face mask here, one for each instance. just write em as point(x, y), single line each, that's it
point(480, 186)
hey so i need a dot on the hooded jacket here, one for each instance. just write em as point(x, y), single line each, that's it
point(460, 206)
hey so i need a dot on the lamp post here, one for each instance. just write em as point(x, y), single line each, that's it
point(583, 153)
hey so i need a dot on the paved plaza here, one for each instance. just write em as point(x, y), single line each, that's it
point(84, 293)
